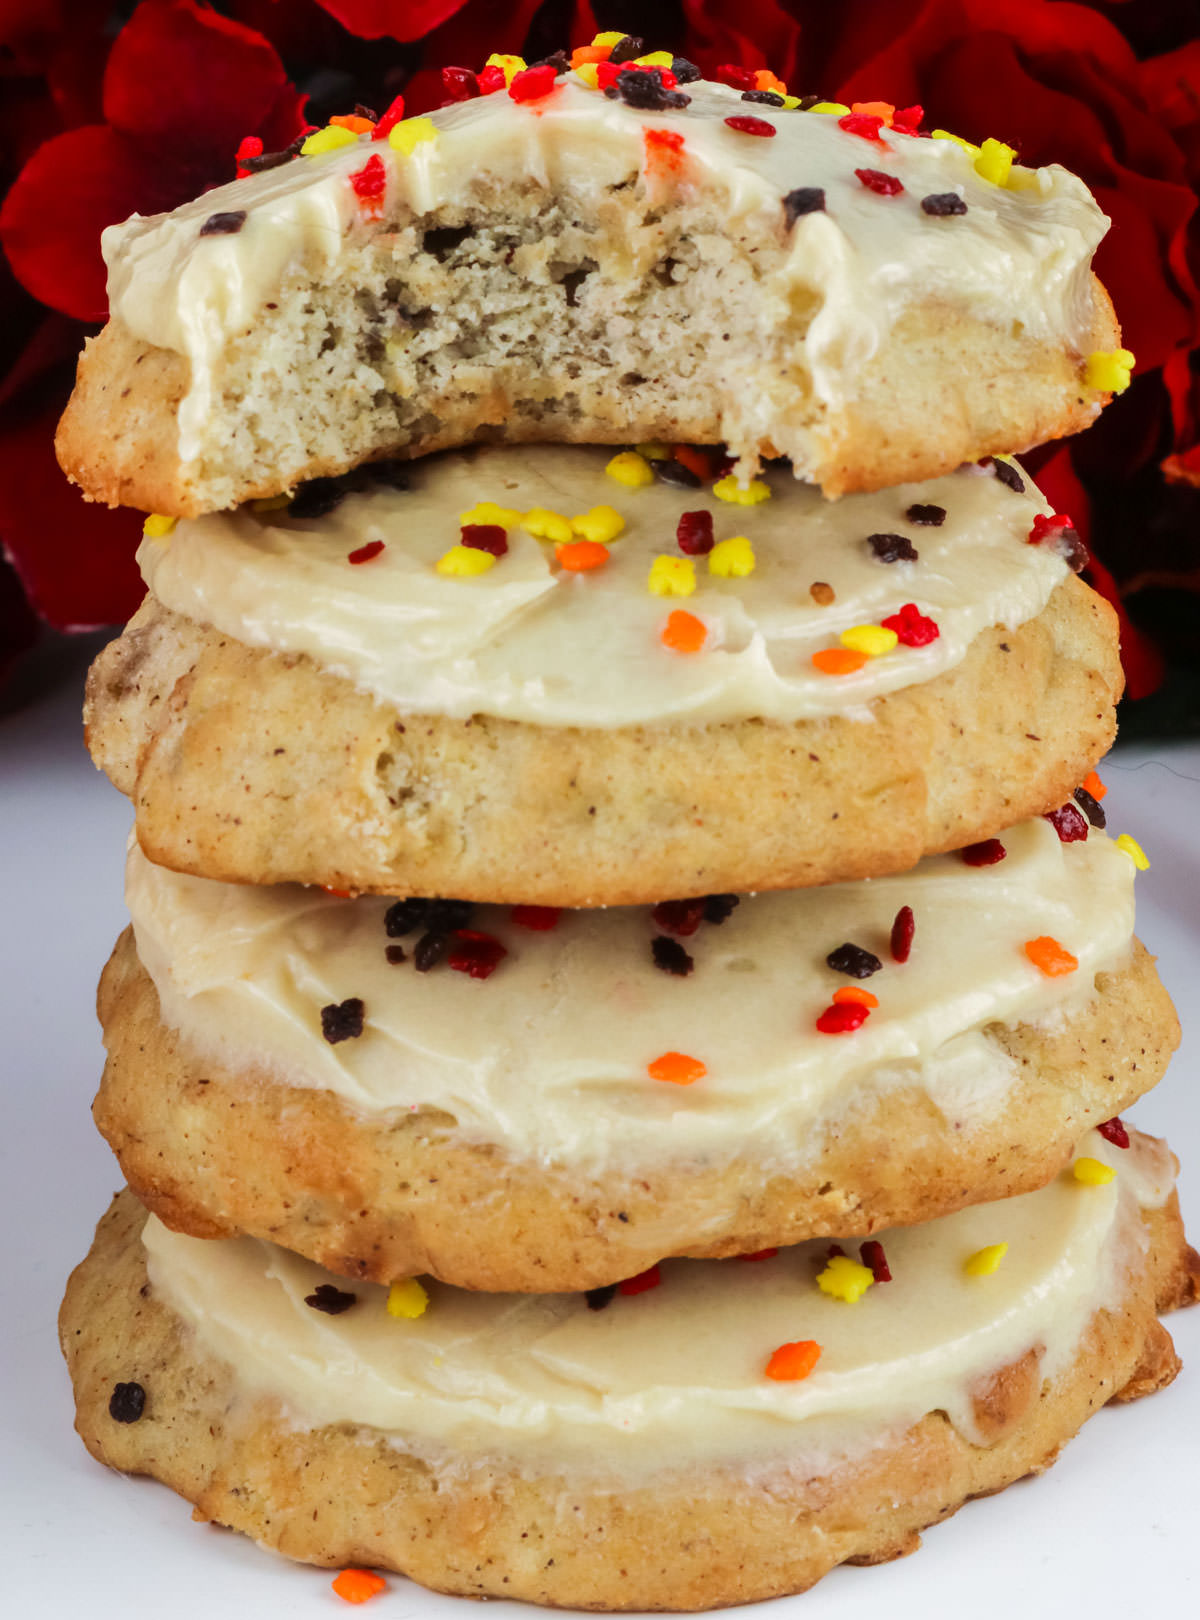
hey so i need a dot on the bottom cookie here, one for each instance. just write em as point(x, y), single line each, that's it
point(716, 1432)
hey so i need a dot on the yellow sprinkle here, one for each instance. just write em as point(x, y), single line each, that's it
point(511, 65)
point(488, 512)
point(871, 639)
point(844, 1278)
point(461, 562)
point(630, 469)
point(995, 161)
point(967, 146)
point(610, 38)
point(270, 503)
point(732, 559)
point(654, 450)
point(655, 59)
point(984, 1261)
point(829, 107)
point(791, 101)
point(158, 526)
point(407, 1300)
point(1108, 371)
point(408, 134)
point(1135, 852)
point(601, 523)
point(589, 72)
point(1092, 1172)
point(728, 489)
point(328, 140)
point(672, 576)
point(546, 525)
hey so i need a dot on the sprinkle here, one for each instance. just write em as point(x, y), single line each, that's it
point(694, 533)
point(853, 995)
point(821, 593)
point(681, 917)
point(670, 956)
point(488, 512)
point(589, 72)
point(891, 548)
point(907, 120)
point(1008, 474)
point(356, 123)
point(763, 98)
point(728, 489)
point(986, 853)
point(884, 185)
point(630, 469)
point(654, 450)
point(675, 473)
point(369, 184)
point(904, 927)
point(1093, 785)
point(395, 111)
point(510, 66)
point(403, 916)
point(541, 919)
point(865, 125)
point(883, 110)
point(697, 461)
point(532, 84)
point(600, 523)
point(581, 556)
point(599, 1299)
point(912, 627)
point(929, 517)
point(836, 107)
point(365, 553)
point(228, 224)
point(250, 146)
point(1067, 823)
point(1108, 371)
point(677, 1069)
point(1134, 850)
point(671, 576)
point(804, 200)
point(764, 79)
point(608, 40)
point(1093, 1172)
point(985, 1261)
point(1113, 1130)
point(838, 660)
point(872, 1255)
point(409, 133)
point(546, 525)
point(328, 139)
point(489, 537)
point(1049, 957)
point(407, 1300)
point(461, 562)
point(459, 84)
point(732, 559)
point(945, 135)
point(332, 1301)
point(1090, 808)
point(746, 124)
point(1059, 531)
point(995, 162)
point(843, 1017)
point(642, 1283)
point(491, 80)
point(357, 1585)
point(845, 1279)
point(685, 72)
point(127, 1402)
point(158, 526)
point(759, 1254)
point(646, 89)
point(943, 205)
point(735, 76)
point(342, 1020)
point(853, 961)
point(395, 955)
point(474, 953)
point(718, 908)
point(872, 639)
point(792, 1362)
point(431, 948)
point(683, 632)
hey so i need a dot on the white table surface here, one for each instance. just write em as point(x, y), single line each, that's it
point(1111, 1530)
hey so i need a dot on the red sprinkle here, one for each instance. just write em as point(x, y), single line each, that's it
point(390, 119)
point(912, 627)
point(886, 185)
point(540, 918)
point(737, 78)
point(639, 1284)
point(908, 119)
point(1070, 824)
point(1047, 528)
point(249, 146)
point(842, 1017)
point(903, 930)
point(864, 124)
point(987, 853)
point(746, 125)
point(695, 533)
point(532, 83)
point(489, 537)
point(873, 1256)
point(664, 150)
point(1113, 1130)
point(365, 553)
point(370, 183)
point(491, 79)
point(678, 917)
point(459, 84)
point(762, 1254)
point(475, 953)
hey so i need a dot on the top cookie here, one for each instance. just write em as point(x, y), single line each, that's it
point(598, 266)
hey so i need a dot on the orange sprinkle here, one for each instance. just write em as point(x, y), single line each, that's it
point(338, 894)
point(590, 53)
point(791, 1362)
point(1050, 957)
point(683, 632)
point(664, 151)
point(581, 556)
point(838, 660)
point(352, 122)
point(1093, 785)
point(764, 79)
point(854, 992)
point(875, 109)
point(357, 1585)
point(677, 1068)
point(697, 461)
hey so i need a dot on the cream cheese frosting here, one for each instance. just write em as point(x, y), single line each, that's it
point(548, 1057)
point(674, 1375)
point(1019, 254)
point(530, 641)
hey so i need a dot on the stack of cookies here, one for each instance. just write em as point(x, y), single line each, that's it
point(618, 1054)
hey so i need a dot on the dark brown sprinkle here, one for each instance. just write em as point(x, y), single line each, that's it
point(403, 917)
point(718, 908)
point(644, 91)
point(365, 112)
point(395, 955)
point(329, 1299)
point(890, 548)
point(558, 60)
point(807, 102)
point(431, 948)
point(929, 517)
point(342, 1020)
point(224, 224)
point(1071, 549)
point(942, 204)
point(685, 72)
point(1008, 475)
point(670, 471)
point(766, 98)
point(853, 961)
point(627, 49)
point(1091, 808)
point(274, 160)
point(320, 496)
point(804, 200)
point(679, 917)
point(670, 956)
point(126, 1403)
point(598, 1298)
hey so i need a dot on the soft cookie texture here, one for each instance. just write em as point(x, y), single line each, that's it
point(256, 767)
point(689, 1538)
point(580, 269)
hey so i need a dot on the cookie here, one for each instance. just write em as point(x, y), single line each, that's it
point(876, 306)
point(638, 1455)
point(506, 1119)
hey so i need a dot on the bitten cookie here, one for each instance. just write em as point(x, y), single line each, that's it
point(724, 1433)
point(535, 1101)
point(597, 268)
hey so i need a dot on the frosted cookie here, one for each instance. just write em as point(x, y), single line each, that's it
point(686, 693)
point(598, 268)
point(533, 1100)
point(727, 1433)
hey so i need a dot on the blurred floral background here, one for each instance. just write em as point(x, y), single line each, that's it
point(106, 109)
